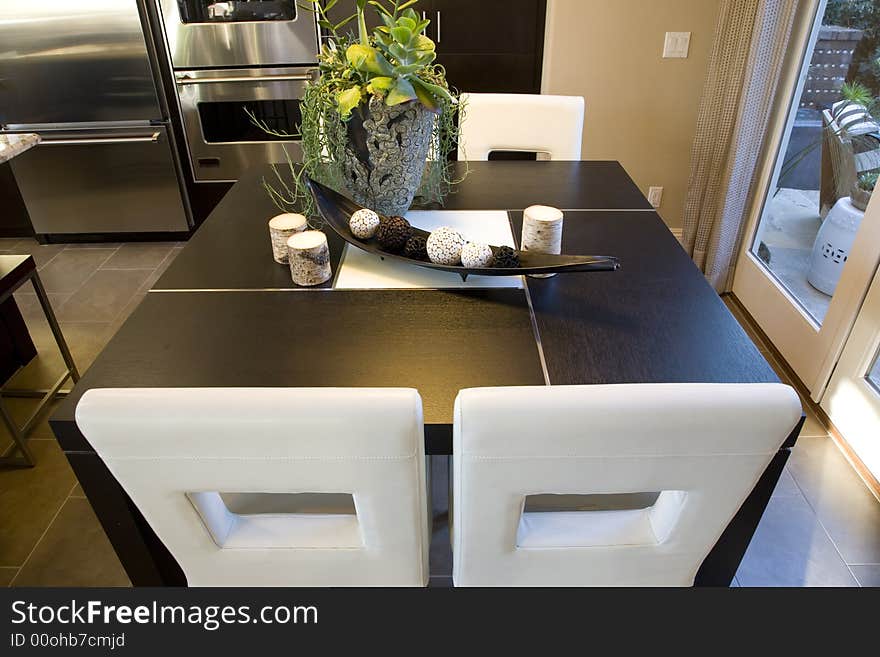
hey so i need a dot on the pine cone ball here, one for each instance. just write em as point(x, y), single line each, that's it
point(416, 248)
point(364, 223)
point(475, 254)
point(444, 246)
point(506, 258)
point(393, 233)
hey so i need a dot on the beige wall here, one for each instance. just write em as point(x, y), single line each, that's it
point(641, 108)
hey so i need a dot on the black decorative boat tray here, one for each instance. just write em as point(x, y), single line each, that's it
point(336, 210)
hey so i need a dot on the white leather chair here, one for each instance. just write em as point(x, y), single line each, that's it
point(702, 447)
point(521, 122)
point(175, 451)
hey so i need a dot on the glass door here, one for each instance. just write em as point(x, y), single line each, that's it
point(811, 247)
point(852, 400)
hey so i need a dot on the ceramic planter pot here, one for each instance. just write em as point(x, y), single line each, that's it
point(860, 197)
point(833, 243)
point(386, 152)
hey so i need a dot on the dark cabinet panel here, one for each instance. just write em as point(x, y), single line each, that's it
point(488, 46)
point(486, 26)
point(494, 74)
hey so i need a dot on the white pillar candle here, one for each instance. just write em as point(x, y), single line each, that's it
point(542, 231)
point(281, 228)
point(309, 258)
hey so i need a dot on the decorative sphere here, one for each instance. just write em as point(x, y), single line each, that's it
point(364, 223)
point(475, 254)
point(444, 246)
point(393, 233)
point(416, 248)
point(506, 258)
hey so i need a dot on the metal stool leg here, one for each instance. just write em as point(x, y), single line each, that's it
point(56, 329)
point(19, 436)
point(19, 442)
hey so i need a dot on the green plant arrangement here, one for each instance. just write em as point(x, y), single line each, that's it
point(868, 180)
point(379, 121)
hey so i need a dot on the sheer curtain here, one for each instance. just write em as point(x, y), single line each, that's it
point(751, 38)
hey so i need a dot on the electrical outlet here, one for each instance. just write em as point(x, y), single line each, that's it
point(677, 45)
point(655, 196)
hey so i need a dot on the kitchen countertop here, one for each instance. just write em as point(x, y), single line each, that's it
point(12, 145)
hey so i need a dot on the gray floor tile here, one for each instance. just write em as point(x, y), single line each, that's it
point(74, 552)
point(30, 498)
point(157, 273)
point(6, 575)
point(93, 245)
point(103, 296)
point(139, 255)
point(786, 485)
point(790, 548)
point(42, 253)
point(26, 300)
point(8, 244)
point(867, 575)
point(84, 339)
point(813, 427)
point(842, 502)
point(21, 411)
point(71, 268)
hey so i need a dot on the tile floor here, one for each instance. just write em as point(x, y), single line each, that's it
point(822, 527)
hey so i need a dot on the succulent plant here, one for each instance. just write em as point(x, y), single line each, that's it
point(394, 62)
point(868, 180)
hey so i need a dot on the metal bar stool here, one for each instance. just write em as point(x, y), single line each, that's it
point(15, 271)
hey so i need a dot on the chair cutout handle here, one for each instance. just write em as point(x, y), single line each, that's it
point(296, 530)
point(646, 525)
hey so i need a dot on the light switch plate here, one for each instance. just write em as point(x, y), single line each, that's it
point(677, 45)
point(655, 196)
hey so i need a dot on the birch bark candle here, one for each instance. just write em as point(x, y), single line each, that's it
point(280, 230)
point(542, 231)
point(309, 258)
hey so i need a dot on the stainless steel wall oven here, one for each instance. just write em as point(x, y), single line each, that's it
point(219, 108)
point(235, 61)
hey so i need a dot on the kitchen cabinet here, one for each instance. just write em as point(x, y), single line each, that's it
point(488, 46)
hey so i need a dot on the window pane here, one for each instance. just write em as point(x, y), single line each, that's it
point(209, 11)
point(830, 159)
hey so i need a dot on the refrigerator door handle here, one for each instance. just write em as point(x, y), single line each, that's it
point(86, 141)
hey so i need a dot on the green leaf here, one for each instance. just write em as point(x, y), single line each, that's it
point(423, 43)
point(380, 7)
point(408, 23)
point(401, 34)
point(434, 89)
point(382, 84)
point(344, 22)
point(426, 98)
point(401, 93)
point(406, 70)
point(348, 100)
point(368, 60)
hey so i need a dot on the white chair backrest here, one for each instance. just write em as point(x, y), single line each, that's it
point(175, 451)
point(702, 447)
point(521, 122)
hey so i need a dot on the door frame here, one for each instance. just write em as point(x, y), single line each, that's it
point(791, 330)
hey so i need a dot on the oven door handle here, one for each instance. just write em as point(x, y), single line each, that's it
point(300, 77)
point(153, 138)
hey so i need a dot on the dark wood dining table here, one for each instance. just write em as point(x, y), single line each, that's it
point(218, 315)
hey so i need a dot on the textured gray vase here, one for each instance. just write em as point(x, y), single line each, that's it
point(385, 156)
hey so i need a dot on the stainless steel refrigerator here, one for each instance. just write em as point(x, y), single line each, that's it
point(84, 76)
